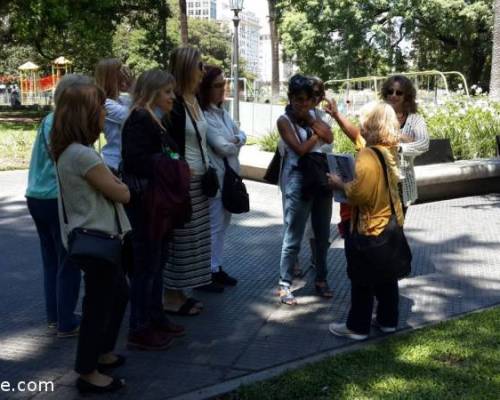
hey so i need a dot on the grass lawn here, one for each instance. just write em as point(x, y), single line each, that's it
point(458, 359)
point(16, 140)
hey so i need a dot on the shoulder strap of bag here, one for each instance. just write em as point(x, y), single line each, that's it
point(44, 139)
point(65, 216)
point(198, 136)
point(384, 167)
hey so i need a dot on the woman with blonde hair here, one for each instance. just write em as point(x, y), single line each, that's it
point(146, 142)
point(188, 264)
point(113, 77)
point(91, 199)
point(377, 208)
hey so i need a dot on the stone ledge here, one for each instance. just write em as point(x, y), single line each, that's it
point(435, 181)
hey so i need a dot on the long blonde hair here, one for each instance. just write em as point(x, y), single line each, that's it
point(147, 89)
point(380, 125)
point(183, 62)
point(108, 76)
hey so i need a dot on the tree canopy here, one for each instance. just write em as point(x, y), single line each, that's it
point(332, 37)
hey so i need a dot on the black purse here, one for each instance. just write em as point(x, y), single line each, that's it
point(86, 245)
point(234, 192)
point(272, 174)
point(209, 180)
point(378, 259)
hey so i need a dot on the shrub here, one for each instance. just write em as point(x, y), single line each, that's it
point(470, 124)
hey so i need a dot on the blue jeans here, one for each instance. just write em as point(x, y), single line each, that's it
point(296, 212)
point(61, 279)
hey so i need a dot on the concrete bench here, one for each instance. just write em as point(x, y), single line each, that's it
point(435, 181)
point(458, 179)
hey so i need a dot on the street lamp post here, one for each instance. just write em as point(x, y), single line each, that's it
point(236, 6)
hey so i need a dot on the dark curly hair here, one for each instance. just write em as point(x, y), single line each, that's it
point(300, 84)
point(409, 92)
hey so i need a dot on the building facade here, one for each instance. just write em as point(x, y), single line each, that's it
point(202, 9)
point(248, 34)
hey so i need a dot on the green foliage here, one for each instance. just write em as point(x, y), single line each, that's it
point(330, 38)
point(454, 360)
point(471, 124)
point(82, 30)
point(269, 142)
point(134, 46)
point(16, 140)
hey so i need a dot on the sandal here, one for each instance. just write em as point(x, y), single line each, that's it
point(197, 303)
point(323, 290)
point(187, 309)
point(286, 296)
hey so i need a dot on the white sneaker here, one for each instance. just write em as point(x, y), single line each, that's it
point(385, 329)
point(342, 330)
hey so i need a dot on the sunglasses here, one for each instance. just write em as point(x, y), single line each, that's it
point(201, 66)
point(390, 92)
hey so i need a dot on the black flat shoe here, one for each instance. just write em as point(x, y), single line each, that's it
point(222, 278)
point(212, 287)
point(87, 387)
point(120, 360)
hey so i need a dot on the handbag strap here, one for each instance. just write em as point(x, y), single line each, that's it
point(65, 216)
point(198, 136)
point(386, 178)
point(384, 167)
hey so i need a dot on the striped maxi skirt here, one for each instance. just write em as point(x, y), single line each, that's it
point(188, 262)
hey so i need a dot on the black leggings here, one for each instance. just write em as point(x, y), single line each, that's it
point(104, 304)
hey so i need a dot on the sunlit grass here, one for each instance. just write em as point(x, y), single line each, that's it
point(457, 359)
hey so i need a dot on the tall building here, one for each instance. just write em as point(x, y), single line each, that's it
point(286, 69)
point(202, 9)
point(248, 34)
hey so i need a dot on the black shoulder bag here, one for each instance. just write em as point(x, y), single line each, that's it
point(85, 245)
point(209, 180)
point(234, 192)
point(378, 259)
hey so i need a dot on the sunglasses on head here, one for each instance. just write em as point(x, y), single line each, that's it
point(390, 92)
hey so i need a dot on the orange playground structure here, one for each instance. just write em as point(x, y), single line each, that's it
point(36, 89)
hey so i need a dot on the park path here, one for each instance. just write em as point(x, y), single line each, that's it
point(244, 332)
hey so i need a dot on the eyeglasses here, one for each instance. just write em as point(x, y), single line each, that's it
point(390, 92)
point(201, 66)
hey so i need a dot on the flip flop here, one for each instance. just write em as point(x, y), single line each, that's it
point(186, 309)
point(197, 303)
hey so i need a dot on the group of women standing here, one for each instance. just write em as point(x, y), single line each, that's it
point(163, 140)
point(147, 188)
point(391, 134)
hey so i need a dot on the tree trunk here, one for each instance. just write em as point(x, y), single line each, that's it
point(275, 51)
point(495, 58)
point(163, 14)
point(184, 22)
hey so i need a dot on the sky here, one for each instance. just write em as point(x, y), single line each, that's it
point(259, 7)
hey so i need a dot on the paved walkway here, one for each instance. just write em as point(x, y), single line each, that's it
point(243, 331)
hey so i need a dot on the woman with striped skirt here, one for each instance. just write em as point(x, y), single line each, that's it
point(188, 263)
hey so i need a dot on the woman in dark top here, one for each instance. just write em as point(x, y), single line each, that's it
point(145, 141)
point(188, 264)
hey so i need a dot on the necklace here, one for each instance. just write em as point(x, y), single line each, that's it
point(193, 104)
